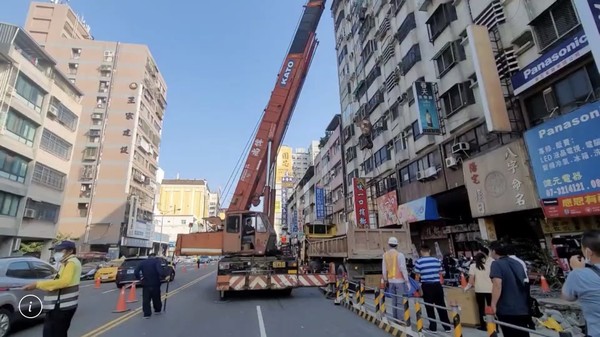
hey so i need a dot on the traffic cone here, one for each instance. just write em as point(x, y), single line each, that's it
point(121, 304)
point(132, 298)
point(97, 284)
point(463, 281)
point(544, 285)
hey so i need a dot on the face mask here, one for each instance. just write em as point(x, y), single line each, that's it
point(58, 256)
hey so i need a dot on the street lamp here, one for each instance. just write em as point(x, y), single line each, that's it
point(162, 222)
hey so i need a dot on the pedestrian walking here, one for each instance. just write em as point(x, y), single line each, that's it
point(395, 275)
point(429, 268)
point(150, 274)
point(198, 262)
point(479, 278)
point(62, 293)
point(510, 293)
point(583, 283)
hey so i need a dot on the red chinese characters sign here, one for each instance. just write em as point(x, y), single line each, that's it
point(585, 204)
point(361, 205)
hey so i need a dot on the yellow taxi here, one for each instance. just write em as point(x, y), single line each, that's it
point(108, 271)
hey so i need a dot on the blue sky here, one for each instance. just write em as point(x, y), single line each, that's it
point(220, 60)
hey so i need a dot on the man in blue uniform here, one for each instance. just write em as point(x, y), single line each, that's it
point(150, 273)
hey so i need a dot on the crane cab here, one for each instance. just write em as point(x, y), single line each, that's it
point(248, 233)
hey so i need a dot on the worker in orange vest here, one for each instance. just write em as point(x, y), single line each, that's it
point(395, 275)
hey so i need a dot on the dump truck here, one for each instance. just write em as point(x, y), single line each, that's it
point(359, 250)
point(246, 239)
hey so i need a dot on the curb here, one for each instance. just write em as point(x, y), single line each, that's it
point(387, 327)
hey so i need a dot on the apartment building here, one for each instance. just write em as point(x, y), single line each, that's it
point(431, 122)
point(330, 190)
point(303, 158)
point(40, 112)
point(185, 197)
point(170, 226)
point(214, 203)
point(110, 198)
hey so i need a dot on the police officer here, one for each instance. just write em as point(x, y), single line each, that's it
point(62, 293)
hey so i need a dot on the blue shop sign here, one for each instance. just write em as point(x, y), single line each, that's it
point(418, 210)
point(320, 203)
point(565, 53)
point(565, 153)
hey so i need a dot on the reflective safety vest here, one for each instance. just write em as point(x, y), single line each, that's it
point(65, 298)
point(391, 265)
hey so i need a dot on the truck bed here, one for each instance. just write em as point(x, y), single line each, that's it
point(359, 244)
point(210, 243)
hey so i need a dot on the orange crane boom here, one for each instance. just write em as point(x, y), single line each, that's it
point(247, 239)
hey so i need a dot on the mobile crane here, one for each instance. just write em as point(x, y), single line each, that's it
point(247, 239)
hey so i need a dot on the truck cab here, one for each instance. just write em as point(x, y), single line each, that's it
point(248, 233)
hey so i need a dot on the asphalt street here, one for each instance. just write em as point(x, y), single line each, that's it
point(193, 309)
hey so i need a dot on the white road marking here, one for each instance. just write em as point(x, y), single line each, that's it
point(87, 285)
point(109, 291)
point(261, 322)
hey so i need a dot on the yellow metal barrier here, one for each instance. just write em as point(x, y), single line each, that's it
point(406, 304)
point(419, 315)
point(456, 324)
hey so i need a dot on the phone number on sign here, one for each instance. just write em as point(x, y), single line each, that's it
point(565, 189)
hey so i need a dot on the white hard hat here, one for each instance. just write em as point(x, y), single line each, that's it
point(392, 241)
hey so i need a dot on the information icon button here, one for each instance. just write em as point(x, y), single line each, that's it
point(30, 306)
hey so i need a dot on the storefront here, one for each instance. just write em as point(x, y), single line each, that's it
point(501, 194)
point(565, 154)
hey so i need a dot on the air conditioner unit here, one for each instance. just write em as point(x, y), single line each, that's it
point(460, 147)
point(30, 213)
point(451, 162)
point(430, 172)
point(421, 175)
point(52, 110)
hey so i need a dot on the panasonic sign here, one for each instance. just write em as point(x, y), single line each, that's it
point(286, 73)
point(550, 62)
point(589, 14)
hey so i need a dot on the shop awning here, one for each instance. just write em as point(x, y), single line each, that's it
point(418, 210)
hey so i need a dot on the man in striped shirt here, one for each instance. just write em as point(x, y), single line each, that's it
point(428, 269)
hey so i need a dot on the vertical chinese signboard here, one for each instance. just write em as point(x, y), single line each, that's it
point(429, 121)
point(361, 204)
point(320, 202)
point(284, 197)
point(565, 156)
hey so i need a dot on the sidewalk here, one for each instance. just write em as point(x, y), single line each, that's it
point(467, 331)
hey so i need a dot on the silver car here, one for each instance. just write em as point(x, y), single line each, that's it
point(16, 272)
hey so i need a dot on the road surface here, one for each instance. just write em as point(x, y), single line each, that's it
point(193, 309)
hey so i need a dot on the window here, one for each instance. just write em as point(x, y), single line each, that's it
point(42, 270)
point(20, 127)
point(401, 142)
point(406, 27)
point(554, 23)
point(382, 155)
point(432, 159)
point(372, 76)
point(457, 97)
point(410, 59)
point(416, 130)
point(233, 224)
point(368, 51)
point(101, 102)
point(569, 93)
point(9, 204)
point(450, 55)
point(30, 92)
point(441, 18)
point(63, 115)
point(73, 68)
point(12, 166)
point(75, 53)
point(260, 226)
point(49, 177)
point(367, 165)
point(55, 145)
point(20, 269)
